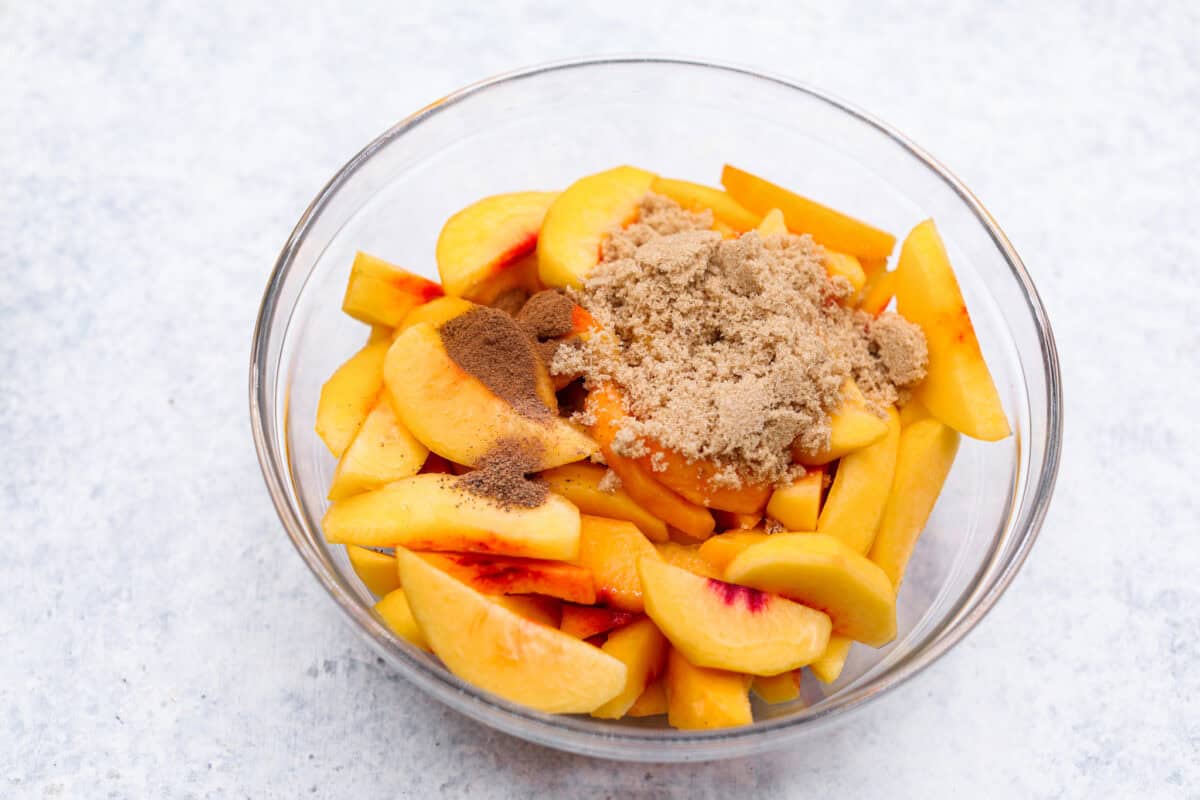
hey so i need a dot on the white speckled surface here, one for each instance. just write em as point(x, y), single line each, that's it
point(160, 638)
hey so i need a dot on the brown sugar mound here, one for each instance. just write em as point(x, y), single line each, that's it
point(491, 346)
point(730, 350)
point(501, 475)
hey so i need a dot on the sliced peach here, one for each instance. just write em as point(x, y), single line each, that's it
point(349, 395)
point(381, 333)
point(584, 622)
point(382, 451)
point(823, 573)
point(699, 698)
point(724, 547)
point(877, 293)
point(781, 688)
point(579, 219)
point(533, 607)
point(580, 483)
point(829, 666)
point(873, 266)
point(845, 266)
point(772, 224)
point(860, 489)
point(479, 246)
point(733, 521)
point(435, 312)
point(456, 416)
point(606, 408)
point(696, 197)
point(694, 481)
point(912, 412)
point(507, 575)
point(643, 650)
point(501, 652)
point(923, 460)
point(726, 626)
point(380, 293)
point(397, 615)
point(434, 512)
point(958, 388)
point(651, 702)
point(828, 227)
point(797, 505)
point(687, 556)
point(376, 570)
point(610, 548)
point(852, 426)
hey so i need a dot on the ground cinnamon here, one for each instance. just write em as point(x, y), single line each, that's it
point(501, 475)
point(491, 346)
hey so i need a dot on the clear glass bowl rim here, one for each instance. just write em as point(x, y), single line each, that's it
point(563, 732)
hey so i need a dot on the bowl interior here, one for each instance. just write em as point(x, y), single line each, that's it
point(545, 128)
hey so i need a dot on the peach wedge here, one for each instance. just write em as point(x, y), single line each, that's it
point(610, 548)
point(923, 460)
point(958, 388)
point(829, 666)
point(580, 483)
point(852, 426)
point(499, 651)
point(696, 197)
point(797, 506)
point(643, 650)
point(700, 698)
point(822, 572)
point(725, 547)
point(860, 489)
point(830, 228)
point(349, 395)
point(579, 219)
point(380, 293)
point(398, 616)
point(376, 570)
point(453, 414)
point(382, 451)
point(479, 249)
point(725, 626)
point(432, 512)
point(508, 575)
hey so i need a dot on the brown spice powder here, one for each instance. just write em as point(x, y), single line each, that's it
point(491, 346)
point(546, 315)
point(730, 350)
point(501, 475)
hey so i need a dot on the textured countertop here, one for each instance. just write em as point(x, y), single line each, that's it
point(159, 636)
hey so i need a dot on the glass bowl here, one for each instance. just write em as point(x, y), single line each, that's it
point(544, 127)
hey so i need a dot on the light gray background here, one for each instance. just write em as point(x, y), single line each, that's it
point(160, 638)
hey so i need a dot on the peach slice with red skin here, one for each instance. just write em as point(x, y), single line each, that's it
point(379, 293)
point(830, 228)
point(958, 389)
point(479, 249)
point(349, 395)
point(584, 622)
point(731, 627)
point(610, 549)
point(508, 575)
point(433, 512)
point(696, 197)
point(822, 572)
point(453, 414)
point(499, 651)
point(605, 406)
point(579, 219)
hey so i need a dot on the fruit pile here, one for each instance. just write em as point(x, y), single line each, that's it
point(624, 586)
